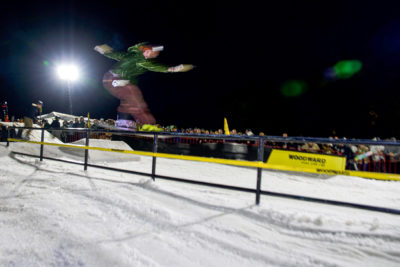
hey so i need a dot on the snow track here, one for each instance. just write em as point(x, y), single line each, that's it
point(56, 214)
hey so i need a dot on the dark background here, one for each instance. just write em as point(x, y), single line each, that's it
point(243, 51)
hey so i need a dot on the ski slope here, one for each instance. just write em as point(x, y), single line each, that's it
point(56, 214)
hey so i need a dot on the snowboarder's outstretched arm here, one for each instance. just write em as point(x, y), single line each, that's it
point(109, 52)
point(156, 67)
point(181, 68)
point(152, 66)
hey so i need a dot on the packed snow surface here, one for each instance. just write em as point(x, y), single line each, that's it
point(56, 214)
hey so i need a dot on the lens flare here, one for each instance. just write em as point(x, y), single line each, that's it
point(345, 69)
point(293, 88)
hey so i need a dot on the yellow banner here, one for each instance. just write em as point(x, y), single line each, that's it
point(301, 161)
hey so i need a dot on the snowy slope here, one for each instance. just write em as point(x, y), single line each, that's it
point(56, 214)
point(75, 154)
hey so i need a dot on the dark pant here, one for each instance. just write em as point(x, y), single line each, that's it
point(131, 98)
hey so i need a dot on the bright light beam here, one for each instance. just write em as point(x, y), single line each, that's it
point(68, 72)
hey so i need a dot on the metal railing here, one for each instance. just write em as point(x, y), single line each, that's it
point(260, 153)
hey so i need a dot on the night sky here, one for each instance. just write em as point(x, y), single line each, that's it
point(244, 54)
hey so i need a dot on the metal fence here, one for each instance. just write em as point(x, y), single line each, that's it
point(380, 161)
point(259, 141)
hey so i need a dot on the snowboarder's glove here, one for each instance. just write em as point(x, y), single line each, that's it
point(181, 68)
point(119, 83)
point(103, 48)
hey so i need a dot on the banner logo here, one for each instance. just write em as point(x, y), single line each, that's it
point(301, 160)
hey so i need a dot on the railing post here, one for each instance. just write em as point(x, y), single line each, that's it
point(86, 150)
point(41, 145)
point(153, 166)
point(260, 157)
point(8, 136)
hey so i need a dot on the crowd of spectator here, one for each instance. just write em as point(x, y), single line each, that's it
point(380, 158)
point(59, 129)
point(376, 158)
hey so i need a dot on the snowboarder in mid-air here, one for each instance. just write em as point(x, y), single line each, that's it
point(121, 80)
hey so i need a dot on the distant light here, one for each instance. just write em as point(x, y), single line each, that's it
point(68, 72)
point(345, 69)
point(293, 88)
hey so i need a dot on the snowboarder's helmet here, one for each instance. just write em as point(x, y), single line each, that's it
point(158, 48)
point(143, 48)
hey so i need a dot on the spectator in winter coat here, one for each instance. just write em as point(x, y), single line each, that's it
point(328, 148)
point(4, 133)
point(249, 132)
point(65, 134)
point(81, 123)
point(75, 124)
point(361, 157)
point(378, 155)
point(349, 152)
point(311, 147)
point(95, 125)
point(392, 151)
point(288, 145)
point(56, 123)
point(45, 124)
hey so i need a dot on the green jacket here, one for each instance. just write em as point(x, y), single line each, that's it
point(132, 63)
